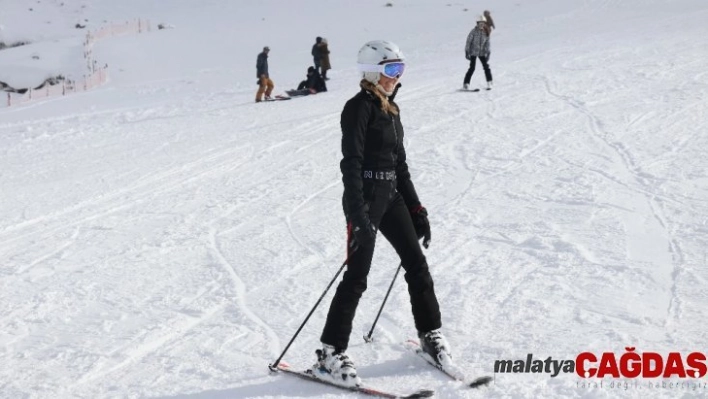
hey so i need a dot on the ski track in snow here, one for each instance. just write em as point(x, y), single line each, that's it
point(273, 341)
point(638, 184)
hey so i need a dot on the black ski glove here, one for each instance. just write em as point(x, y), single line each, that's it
point(422, 226)
point(363, 233)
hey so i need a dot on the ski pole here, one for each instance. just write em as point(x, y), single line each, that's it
point(367, 337)
point(274, 366)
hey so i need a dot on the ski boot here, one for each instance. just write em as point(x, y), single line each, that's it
point(434, 344)
point(336, 366)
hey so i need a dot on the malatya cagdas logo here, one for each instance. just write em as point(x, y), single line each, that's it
point(630, 364)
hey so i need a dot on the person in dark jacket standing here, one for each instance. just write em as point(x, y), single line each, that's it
point(477, 46)
point(379, 196)
point(317, 54)
point(265, 85)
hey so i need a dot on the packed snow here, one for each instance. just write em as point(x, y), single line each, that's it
point(163, 236)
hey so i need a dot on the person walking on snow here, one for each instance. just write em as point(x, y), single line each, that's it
point(477, 46)
point(265, 85)
point(379, 196)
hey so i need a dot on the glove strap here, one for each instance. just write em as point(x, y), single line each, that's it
point(415, 209)
point(350, 241)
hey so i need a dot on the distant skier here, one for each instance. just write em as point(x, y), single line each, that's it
point(379, 195)
point(477, 46)
point(265, 85)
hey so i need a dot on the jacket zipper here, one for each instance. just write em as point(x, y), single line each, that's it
point(395, 134)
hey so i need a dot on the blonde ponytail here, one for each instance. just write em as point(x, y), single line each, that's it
point(386, 106)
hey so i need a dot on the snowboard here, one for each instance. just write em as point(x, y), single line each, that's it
point(279, 97)
point(298, 93)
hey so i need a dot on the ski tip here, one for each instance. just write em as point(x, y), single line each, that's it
point(481, 381)
point(423, 393)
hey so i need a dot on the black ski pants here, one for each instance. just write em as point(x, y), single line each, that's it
point(485, 65)
point(389, 213)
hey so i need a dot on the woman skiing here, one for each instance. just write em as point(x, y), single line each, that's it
point(477, 46)
point(379, 196)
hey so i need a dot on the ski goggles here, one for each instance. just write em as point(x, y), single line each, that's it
point(391, 70)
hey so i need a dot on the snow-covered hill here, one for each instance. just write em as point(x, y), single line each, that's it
point(163, 236)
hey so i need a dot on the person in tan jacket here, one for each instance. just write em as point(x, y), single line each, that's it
point(324, 61)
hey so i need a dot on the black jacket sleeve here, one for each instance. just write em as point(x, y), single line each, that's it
point(403, 176)
point(354, 122)
point(312, 80)
point(261, 65)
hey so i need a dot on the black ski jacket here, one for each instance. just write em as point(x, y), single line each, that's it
point(316, 52)
point(372, 140)
point(262, 65)
point(315, 81)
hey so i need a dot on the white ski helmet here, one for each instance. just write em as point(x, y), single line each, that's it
point(481, 18)
point(377, 52)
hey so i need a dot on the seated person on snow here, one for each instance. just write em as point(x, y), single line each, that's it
point(312, 85)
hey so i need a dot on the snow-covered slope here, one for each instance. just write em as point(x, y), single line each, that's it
point(163, 236)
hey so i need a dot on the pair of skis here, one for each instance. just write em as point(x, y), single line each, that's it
point(309, 374)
